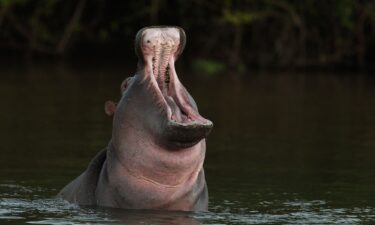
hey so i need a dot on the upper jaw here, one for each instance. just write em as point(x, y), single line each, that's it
point(159, 49)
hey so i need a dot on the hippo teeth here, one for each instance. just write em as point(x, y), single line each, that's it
point(167, 76)
point(164, 77)
point(160, 65)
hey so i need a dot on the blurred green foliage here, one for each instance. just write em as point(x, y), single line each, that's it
point(262, 33)
point(208, 67)
point(11, 2)
point(345, 10)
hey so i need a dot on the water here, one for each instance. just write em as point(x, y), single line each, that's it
point(285, 149)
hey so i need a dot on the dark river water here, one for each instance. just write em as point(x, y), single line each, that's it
point(285, 148)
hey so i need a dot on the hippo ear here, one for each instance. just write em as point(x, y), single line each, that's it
point(110, 108)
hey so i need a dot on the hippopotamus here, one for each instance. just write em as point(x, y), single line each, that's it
point(154, 159)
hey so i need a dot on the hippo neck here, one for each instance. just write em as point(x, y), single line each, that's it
point(162, 171)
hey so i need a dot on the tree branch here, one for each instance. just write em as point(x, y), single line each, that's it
point(70, 28)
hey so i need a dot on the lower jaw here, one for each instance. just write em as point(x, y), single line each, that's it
point(184, 135)
point(177, 145)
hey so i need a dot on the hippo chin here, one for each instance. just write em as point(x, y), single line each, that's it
point(155, 157)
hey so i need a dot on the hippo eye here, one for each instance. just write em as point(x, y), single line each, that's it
point(148, 41)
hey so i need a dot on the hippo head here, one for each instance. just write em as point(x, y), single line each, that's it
point(156, 122)
point(154, 102)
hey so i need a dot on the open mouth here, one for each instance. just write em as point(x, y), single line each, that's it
point(160, 47)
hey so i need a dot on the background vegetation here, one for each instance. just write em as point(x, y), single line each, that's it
point(226, 33)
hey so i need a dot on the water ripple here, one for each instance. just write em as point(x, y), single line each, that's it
point(35, 210)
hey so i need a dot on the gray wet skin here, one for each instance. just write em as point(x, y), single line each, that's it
point(155, 157)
